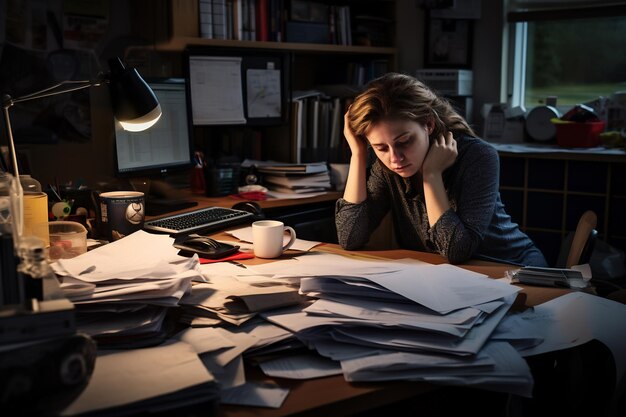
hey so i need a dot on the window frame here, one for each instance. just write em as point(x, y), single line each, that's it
point(515, 47)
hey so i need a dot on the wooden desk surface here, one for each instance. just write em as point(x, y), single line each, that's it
point(334, 396)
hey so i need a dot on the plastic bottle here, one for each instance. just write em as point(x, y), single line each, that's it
point(196, 180)
point(29, 184)
point(35, 209)
point(11, 289)
point(39, 279)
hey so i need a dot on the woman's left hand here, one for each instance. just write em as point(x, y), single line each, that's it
point(441, 155)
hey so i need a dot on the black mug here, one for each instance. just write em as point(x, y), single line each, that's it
point(120, 213)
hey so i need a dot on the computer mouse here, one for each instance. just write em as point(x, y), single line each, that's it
point(206, 247)
point(250, 207)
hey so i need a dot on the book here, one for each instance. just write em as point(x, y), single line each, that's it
point(262, 24)
point(303, 190)
point(300, 181)
point(206, 18)
point(310, 168)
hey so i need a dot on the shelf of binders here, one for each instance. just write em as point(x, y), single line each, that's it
point(317, 127)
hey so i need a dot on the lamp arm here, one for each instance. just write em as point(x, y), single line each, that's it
point(7, 103)
point(51, 91)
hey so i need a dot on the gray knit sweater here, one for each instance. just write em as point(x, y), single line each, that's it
point(476, 225)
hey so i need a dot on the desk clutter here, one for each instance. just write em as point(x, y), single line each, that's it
point(285, 180)
point(173, 332)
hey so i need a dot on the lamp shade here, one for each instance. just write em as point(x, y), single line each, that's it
point(134, 104)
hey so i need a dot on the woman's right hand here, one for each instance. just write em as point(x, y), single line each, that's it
point(358, 146)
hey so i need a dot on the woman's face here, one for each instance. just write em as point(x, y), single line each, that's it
point(401, 145)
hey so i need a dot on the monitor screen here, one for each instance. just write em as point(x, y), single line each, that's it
point(167, 145)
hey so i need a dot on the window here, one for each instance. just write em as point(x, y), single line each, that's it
point(576, 55)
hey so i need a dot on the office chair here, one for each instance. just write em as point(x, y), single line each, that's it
point(584, 240)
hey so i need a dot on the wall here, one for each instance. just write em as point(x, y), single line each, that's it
point(486, 54)
point(129, 23)
point(409, 36)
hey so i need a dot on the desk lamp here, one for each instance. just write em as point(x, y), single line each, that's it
point(134, 105)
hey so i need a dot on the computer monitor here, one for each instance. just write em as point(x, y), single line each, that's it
point(166, 146)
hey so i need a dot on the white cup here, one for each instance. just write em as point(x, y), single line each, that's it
point(267, 238)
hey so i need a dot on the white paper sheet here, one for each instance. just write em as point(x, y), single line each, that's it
point(216, 90)
point(576, 318)
point(497, 367)
point(444, 287)
point(305, 366)
point(326, 264)
point(358, 315)
point(255, 395)
point(137, 255)
point(205, 340)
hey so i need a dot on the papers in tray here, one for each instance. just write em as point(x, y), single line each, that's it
point(551, 277)
point(277, 167)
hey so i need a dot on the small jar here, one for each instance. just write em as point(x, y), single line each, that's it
point(29, 184)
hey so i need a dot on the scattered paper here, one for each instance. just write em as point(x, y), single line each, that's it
point(305, 366)
point(255, 395)
point(129, 376)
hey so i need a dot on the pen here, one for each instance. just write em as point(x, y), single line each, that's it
point(238, 264)
point(54, 191)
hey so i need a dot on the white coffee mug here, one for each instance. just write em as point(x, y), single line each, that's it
point(267, 238)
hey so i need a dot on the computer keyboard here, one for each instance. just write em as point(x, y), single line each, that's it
point(202, 220)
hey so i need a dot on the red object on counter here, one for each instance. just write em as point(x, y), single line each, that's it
point(579, 135)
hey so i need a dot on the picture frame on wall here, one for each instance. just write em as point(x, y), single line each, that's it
point(448, 43)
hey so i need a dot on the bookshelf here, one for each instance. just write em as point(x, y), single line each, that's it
point(181, 42)
point(343, 65)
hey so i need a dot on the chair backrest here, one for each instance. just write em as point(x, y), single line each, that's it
point(584, 240)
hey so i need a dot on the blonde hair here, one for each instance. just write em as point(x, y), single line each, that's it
point(398, 96)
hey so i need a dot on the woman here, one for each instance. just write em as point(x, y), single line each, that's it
point(439, 181)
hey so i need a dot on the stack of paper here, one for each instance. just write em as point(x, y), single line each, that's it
point(224, 298)
point(123, 289)
point(221, 349)
point(298, 183)
point(287, 168)
point(152, 380)
point(301, 179)
point(383, 320)
point(552, 277)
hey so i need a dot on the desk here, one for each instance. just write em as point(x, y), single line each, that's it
point(333, 396)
